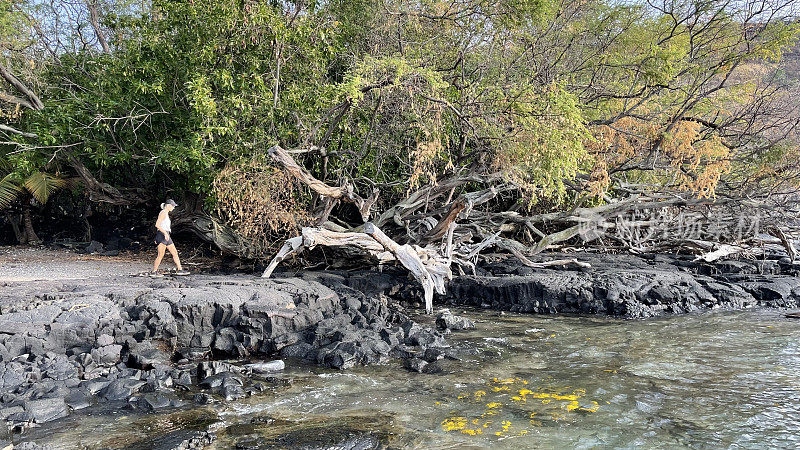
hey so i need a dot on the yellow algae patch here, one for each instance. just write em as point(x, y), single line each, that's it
point(454, 424)
point(558, 403)
point(572, 406)
point(545, 395)
point(594, 408)
point(505, 380)
point(506, 425)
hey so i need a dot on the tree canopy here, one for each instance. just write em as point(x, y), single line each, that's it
point(556, 103)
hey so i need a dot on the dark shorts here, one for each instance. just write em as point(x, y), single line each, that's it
point(161, 239)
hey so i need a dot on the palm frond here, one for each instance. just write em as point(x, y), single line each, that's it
point(9, 191)
point(41, 185)
point(5, 167)
point(73, 182)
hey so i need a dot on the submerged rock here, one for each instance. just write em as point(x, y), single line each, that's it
point(449, 321)
point(267, 367)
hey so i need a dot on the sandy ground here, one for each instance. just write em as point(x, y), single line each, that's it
point(38, 263)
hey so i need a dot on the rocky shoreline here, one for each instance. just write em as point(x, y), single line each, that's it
point(149, 344)
point(630, 286)
point(66, 345)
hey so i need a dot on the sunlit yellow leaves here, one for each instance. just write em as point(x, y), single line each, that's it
point(511, 400)
point(454, 424)
point(700, 160)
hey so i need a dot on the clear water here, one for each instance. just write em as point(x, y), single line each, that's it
point(713, 380)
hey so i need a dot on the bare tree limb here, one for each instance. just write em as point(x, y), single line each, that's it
point(94, 19)
point(9, 129)
point(344, 193)
point(32, 102)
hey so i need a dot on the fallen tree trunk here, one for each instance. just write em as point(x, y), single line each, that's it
point(431, 273)
point(722, 252)
point(440, 224)
point(210, 230)
point(104, 192)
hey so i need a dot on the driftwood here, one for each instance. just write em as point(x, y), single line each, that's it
point(342, 193)
point(785, 241)
point(722, 252)
point(103, 192)
point(211, 230)
point(290, 247)
point(431, 273)
point(450, 225)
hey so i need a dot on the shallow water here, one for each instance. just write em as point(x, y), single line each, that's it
point(721, 379)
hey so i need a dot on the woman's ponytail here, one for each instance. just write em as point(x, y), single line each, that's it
point(163, 205)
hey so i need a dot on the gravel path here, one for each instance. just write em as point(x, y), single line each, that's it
point(36, 263)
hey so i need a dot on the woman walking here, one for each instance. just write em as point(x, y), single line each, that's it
point(164, 240)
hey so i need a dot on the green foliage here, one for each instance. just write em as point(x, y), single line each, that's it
point(546, 144)
point(42, 185)
point(9, 190)
point(39, 185)
point(401, 94)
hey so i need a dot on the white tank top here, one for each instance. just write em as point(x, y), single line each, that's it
point(167, 224)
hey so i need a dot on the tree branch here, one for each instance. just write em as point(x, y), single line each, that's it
point(32, 101)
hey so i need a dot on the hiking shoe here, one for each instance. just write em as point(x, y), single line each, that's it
point(156, 275)
point(182, 272)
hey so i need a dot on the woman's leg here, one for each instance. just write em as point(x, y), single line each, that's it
point(161, 249)
point(175, 258)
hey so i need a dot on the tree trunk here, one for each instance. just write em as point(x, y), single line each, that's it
point(16, 220)
point(94, 19)
point(30, 235)
point(87, 211)
point(210, 230)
